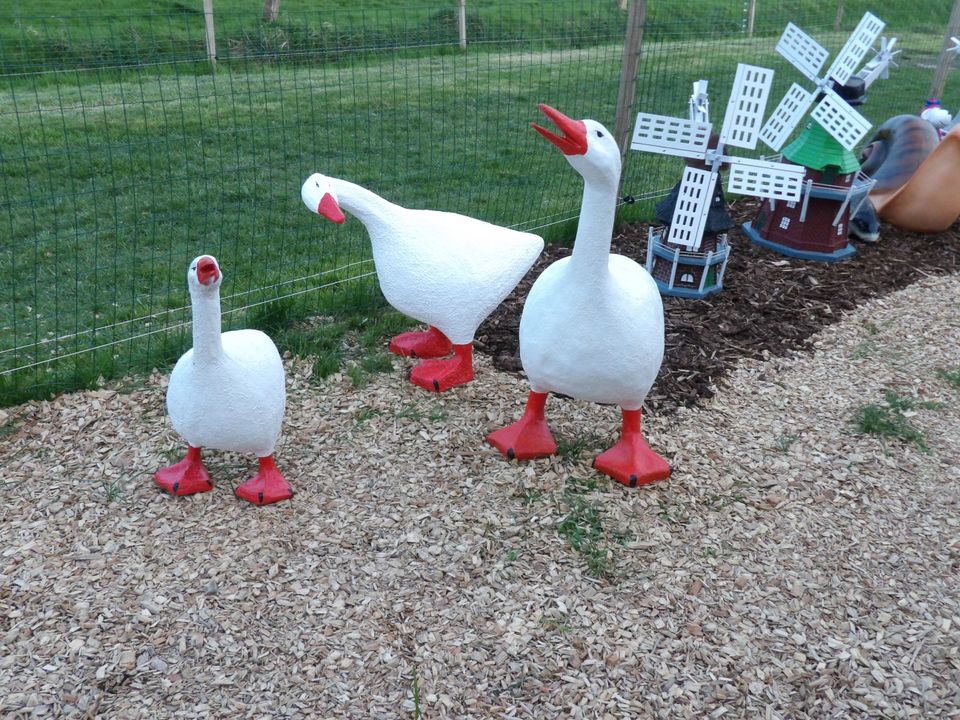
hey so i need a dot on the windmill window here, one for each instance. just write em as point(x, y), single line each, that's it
point(791, 205)
point(687, 278)
point(784, 223)
point(840, 229)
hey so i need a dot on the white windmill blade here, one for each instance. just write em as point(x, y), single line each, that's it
point(670, 136)
point(692, 208)
point(786, 116)
point(845, 124)
point(856, 48)
point(803, 52)
point(747, 105)
point(700, 103)
point(879, 66)
point(760, 178)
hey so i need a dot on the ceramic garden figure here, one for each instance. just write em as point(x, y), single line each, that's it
point(592, 326)
point(226, 393)
point(445, 270)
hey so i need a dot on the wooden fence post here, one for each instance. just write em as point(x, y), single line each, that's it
point(462, 24)
point(271, 9)
point(632, 42)
point(211, 37)
point(751, 16)
point(946, 57)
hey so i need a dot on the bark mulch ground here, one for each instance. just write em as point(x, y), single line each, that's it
point(770, 304)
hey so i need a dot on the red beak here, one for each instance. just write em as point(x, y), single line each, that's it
point(207, 270)
point(330, 209)
point(574, 138)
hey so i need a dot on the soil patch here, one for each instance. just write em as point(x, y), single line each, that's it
point(770, 304)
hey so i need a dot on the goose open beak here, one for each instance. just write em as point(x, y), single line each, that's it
point(574, 138)
point(207, 270)
point(330, 209)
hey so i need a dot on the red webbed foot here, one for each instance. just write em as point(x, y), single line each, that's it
point(186, 477)
point(267, 486)
point(529, 437)
point(631, 461)
point(422, 344)
point(441, 375)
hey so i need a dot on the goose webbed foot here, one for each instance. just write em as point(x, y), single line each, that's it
point(422, 344)
point(441, 375)
point(631, 461)
point(267, 486)
point(529, 437)
point(186, 477)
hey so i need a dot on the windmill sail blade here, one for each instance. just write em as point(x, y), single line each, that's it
point(785, 118)
point(747, 105)
point(803, 52)
point(777, 181)
point(693, 206)
point(845, 124)
point(856, 48)
point(670, 136)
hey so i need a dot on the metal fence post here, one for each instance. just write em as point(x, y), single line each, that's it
point(632, 42)
point(946, 57)
point(751, 16)
point(211, 37)
point(271, 9)
point(462, 24)
point(839, 18)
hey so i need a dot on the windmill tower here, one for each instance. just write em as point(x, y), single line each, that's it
point(816, 228)
point(678, 257)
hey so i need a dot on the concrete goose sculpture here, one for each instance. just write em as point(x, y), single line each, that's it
point(442, 269)
point(592, 325)
point(226, 393)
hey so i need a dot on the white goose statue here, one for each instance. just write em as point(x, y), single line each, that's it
point(592, 325)
point(445, 270)
point(227, 393)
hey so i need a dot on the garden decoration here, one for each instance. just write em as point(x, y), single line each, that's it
point(445, 270)
point(690, 257)
point(592, 324)
point(226, 393)
point(816, 227)
point(934, 114)
point(916, 175)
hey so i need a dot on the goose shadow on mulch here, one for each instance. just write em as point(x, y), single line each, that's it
point(770, 304)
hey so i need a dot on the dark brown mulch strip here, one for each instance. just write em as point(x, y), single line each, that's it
point(769, 303)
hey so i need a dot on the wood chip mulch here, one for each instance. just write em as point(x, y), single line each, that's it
point(770, 304)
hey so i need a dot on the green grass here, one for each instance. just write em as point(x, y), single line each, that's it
point(951, 377)
point(891, 420)
point(113, 179)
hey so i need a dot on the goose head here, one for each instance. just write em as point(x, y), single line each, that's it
point(319, 196)
point(588, 145)
point(204, 275)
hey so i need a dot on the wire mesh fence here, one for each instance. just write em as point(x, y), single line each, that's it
point(124, 152)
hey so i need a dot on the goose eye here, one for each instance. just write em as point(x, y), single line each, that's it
point(599, 134)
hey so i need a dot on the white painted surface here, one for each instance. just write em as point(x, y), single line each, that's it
point(227, 392)
point(592, 326)
point(440, 268)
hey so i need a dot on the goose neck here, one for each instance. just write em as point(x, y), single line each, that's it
point(591, 249)
point(366, 205)
point(207, 341)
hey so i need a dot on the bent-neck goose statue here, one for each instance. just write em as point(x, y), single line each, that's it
point(592, 325)
point(442, 269)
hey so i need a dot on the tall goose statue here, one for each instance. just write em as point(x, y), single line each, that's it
point(592, 325)
point(446, 270)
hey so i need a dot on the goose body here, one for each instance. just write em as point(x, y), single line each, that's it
point(440, 268)
point(227, 393)
point(592, 326)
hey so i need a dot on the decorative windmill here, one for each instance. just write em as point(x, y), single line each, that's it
point(817, 227)
point(685, 262)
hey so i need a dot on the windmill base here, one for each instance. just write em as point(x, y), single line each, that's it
point(837, 255)
point(681, 273)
